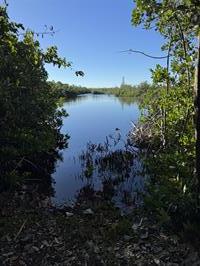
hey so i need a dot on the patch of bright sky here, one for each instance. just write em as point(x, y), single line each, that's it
point(90, 34)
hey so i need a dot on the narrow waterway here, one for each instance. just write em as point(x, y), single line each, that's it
point(92, 119)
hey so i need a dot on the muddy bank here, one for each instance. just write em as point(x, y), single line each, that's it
point(92, 232)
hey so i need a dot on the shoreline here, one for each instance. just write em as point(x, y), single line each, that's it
point(93, 232)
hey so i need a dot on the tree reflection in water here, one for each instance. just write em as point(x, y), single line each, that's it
point(118, 169)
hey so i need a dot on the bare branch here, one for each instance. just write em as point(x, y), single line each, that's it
point(147, 55)
point(41, 33)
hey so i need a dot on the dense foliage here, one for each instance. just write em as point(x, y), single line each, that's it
point(29, 120)
point(168, 124)
point(68, 91)
point(126, 90)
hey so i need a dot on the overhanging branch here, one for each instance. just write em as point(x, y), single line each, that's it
point(147, 55)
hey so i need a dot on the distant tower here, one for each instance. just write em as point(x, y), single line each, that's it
point(123, 81)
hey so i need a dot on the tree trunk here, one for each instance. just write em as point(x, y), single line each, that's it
point(197, 87)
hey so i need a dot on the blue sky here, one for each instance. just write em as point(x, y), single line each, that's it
point(91, 32)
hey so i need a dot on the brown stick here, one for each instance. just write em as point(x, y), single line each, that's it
point(20, 230)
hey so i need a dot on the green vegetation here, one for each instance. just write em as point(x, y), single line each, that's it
point(29, 120)
point(165, 140)
point(125, 90)
point(68, 91)
point(167, 131)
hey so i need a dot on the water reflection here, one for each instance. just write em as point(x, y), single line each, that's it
point(119, 170)
point(126, 101)
point(91, 119)
point(96, 97)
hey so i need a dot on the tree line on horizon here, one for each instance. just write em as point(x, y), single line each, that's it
point(125, 90)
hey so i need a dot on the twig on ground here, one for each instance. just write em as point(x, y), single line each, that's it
point(20, 230)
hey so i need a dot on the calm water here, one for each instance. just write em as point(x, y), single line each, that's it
point(91, 118)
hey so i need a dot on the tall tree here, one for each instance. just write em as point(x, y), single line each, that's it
point(178, 21)
point(197, 105)
point(29, 119)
